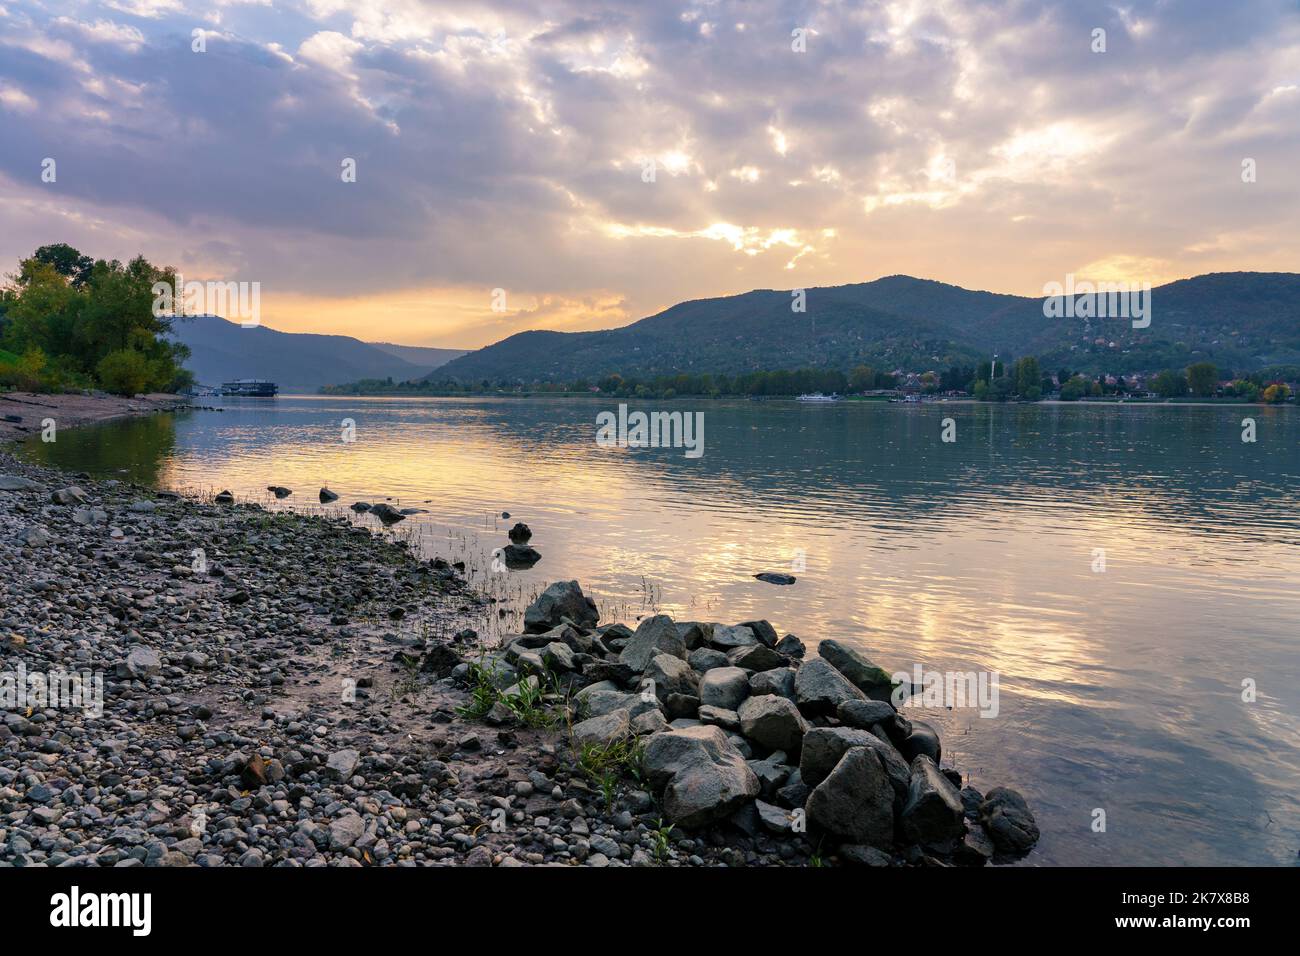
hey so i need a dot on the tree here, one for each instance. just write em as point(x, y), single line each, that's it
point(1276, 393)
point(862, 378)
point(1202, 378)
point(1027, 375)
point(1170, 383)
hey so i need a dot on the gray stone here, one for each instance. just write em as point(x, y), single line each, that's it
point(819, 688)
point(865, 714)
point(932, 813)
point(701, 773)
point(724, 687)
point(672, 675)
point(563, 599)
point(774, 819)
point(141, 662)
point(779, 681)
point(790, 646)
point(343, 763)
point(345, 831)
point(923, 739)
point(17, 483)
point(651, 722)
point(1006, 817)
point(823, 747)
point(755, 657)
point(762, 630)
point(655, 635)
point(707, 658)
point(720, 717)
point(725, 638)
point(873, 681)
point(558, 657)
point(773, 722)
point(604, 729)
point(855, 802)
point(326, 496)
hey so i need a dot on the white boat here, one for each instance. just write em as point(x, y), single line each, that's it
point(818, 397)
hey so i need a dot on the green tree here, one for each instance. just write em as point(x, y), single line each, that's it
point(1170, 383)
point(1202, 378)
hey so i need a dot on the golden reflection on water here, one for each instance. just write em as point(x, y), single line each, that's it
point(1122, 685)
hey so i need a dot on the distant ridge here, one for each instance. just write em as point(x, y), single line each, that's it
point(297, 361)
point(1239, 320)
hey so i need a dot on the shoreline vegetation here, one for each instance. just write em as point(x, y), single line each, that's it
point(1020, 381)
point(282, 689)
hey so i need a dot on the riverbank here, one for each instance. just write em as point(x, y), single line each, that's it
point(282, 689)
point(22, 414)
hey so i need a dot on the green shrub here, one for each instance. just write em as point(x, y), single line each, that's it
point(123, 372)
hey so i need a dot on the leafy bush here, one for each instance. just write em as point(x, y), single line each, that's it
point(123, 372)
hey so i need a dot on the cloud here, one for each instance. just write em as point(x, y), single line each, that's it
point(502, 143)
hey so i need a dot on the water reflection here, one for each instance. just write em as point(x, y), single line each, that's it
point(1120, 689)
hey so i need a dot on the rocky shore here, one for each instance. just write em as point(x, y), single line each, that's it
point(290, 690)
point(23, 413)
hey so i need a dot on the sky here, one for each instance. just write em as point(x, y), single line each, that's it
point(581, 165)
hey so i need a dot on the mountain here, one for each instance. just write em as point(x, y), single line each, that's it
point(297, 361)
point(1241, 321)
point(420, 354)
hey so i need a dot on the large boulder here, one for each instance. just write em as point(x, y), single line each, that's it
point(596, 700)
point(562, 599)
point(1007, 819)
point(855, 802)
point(823, 747)
point(725, 638)
point(724, 687)
point(672, 675)
point(819, 688)
point(762, 630)
point(873, 681)
point(773, 722)
point(701, 773)
point(932, 813)
point(655, 635)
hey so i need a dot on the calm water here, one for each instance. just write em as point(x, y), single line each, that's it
point(1119, 691)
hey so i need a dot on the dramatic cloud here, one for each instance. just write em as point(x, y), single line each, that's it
point(602, 160)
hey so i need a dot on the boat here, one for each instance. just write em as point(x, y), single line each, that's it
point(818, 397)
point(250, 388)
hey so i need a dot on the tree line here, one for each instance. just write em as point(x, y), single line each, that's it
point(71, 322)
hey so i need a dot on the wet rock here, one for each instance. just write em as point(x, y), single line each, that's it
point(520, 533)
point(819, 688)
point(387, 514)
point(224, 497)
point(360, 507)
point(923, 739)
point(280, 491)
point(774, 577)
point(873, 681)
point(932, 813)
point(1006, 817)
point(563, 599)
point(326, 496)
point(790, 646)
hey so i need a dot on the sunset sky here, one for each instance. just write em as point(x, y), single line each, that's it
point(503, 145)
